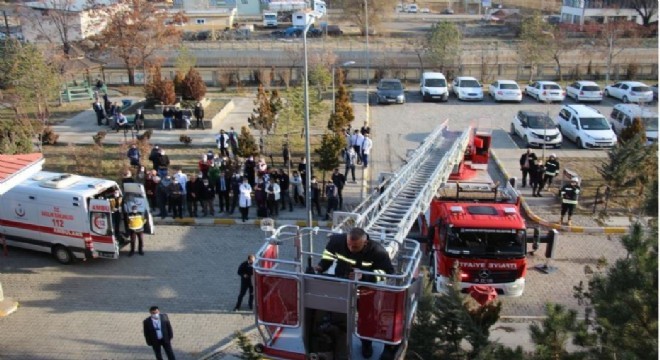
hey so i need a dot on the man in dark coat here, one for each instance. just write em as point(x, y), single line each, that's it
point(158, 333)
point(245, 271)
point(199, 115)
point(527, 160)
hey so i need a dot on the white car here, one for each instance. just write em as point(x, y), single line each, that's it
point(505, 90)
point(425, 10)
point(584, 91)
point(545, 91)
point(536, 129)
point(586, 127)
point(467, 88)
point(623, 115)
point(630, 91)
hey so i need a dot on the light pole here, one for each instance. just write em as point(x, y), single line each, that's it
point(333, 82)
point(366, 27)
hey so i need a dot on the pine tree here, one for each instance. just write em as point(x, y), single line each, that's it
point(328, 151)
point(343, 115)
point(262, 117)
point(552, 335)
point(193, 86)
point(247, 145)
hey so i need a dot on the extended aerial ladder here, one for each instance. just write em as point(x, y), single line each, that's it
point(296, 309)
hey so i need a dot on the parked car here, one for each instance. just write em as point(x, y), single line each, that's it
point(413, 8)
point(505, 90)
point(536, 129)
point(390, 91)
point(467, 88)
point(584, 91)
point(630, 91)
point(623, 115)
point(545, 91)
point(433, 85)
point(585, 126)
point(425, 10)
point(448, 11)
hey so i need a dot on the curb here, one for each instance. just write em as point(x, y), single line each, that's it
point(537, 219)
point(226, 221)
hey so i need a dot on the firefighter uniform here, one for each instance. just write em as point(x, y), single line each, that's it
point(569, 198)
point(136, 227)
point(372, 258)
point(551, 170)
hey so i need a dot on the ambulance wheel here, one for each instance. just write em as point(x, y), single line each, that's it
point(259, 348)
point(63, 255)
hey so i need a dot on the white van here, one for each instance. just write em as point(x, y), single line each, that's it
point(623, 115)
point(585, 126)
point(433, 85)
point(413, 8)
point(69, 216)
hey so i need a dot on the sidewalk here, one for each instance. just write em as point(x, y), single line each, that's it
point(546, 210)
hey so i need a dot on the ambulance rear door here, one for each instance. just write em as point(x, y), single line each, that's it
point(134, 194)
point(101, 229)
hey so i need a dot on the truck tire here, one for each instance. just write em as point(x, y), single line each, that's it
point(63, 255)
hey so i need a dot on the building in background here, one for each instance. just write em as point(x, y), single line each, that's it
point(580, 12)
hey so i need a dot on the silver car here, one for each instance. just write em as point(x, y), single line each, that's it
point(390, 91)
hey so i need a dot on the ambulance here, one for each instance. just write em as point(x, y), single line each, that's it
point(70, 216)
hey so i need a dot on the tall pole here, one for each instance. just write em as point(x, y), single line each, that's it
point(308, 160)
point(366, 26)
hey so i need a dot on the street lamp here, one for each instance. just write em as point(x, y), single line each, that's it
point(308, 166)
point(333, 82)
point(366, 27)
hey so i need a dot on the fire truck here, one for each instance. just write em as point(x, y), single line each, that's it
point(297, 310)
point(476, 226)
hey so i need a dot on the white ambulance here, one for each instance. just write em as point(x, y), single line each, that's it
point(70, 216)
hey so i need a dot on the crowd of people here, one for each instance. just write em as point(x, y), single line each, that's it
point(224, 182)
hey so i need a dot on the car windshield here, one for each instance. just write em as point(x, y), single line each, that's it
point(595, 123)
point(486, 242)
point(436, 83)
point(641, 88)
point(540, 122)
point(650, 123)
point(470, 83)
point(551, 87)
point(391, 85)
point(509, 86)
point(590, 88)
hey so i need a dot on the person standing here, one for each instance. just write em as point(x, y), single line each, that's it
point(163, 196)
point(207, 195)
point(235, 191)
point(249, 170)
point(350, 158)
point(136, 230)
point(222, 140)
point(222, 188)
point(98, 110)
point(245, 271)
point(298, 190)
point(356, 142)
point(273, 196)
point(176, 198)
point(536, 178)
point(168, 115)
point(285, 194)
point(244, 199)
point(138, 120)
point(133, 155)
point(191, 195)
point(367, 144)
point(365, 129)
point(163, 162)
point(551, 170)
point(339, 180)
point(199, 115)
point(331, 196)
point(526, 161)
point(233, 141)
point(356, 251)
point(316, 195)
point(150, 185)
point(153, 156)
point(569, 194)
point(158, 333)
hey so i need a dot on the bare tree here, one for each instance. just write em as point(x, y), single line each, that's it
point(615, 37)
point(560, 46)
point(135, 32)
point(378, 11)
point(646, 9)
point(535, 42)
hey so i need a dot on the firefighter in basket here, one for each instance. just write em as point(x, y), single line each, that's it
point(356, 251)
point(136, 229)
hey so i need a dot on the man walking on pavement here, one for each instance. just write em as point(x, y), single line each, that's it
point(569, 198)
point(339, 180)
point(367, 144)
point(158, 333)
point(356, 142)
point(350, 158)
point(526, 161)
point(245, 271)
point(551, 170)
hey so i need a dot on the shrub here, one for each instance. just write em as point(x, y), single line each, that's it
point(159, 89)
point(193, 86)
point(145, 135)
point(632, 70)
point(98, 138)
point(48, 136)
point(187, 140)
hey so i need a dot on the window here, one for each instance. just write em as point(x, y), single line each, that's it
point(200, 21)
point(624, 87)
point(615, 114)
point(564, 115)
point(626, 121)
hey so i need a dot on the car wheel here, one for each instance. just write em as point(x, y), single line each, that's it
point(625, 99)
point(62, 254)
point(579, 143)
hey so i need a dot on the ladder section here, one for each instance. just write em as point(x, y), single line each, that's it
point(390, 215)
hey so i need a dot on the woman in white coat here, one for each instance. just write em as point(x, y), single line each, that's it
point(244, 198)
